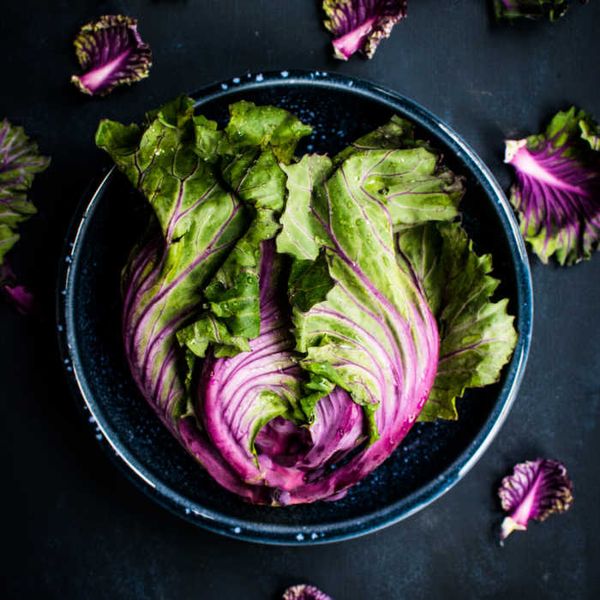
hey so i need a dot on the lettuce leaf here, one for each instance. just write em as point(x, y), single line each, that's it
point(197, 221)
point(299, 229)
point(256, 139)
point(371, 301)
point(396, 133)
point(477, 335)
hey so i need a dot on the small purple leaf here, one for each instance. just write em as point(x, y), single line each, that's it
point(20, 297)
point(359, 25)
point(17, 295)
point(111, 52)
point(304, 592)
point(557, 189)
point(535, 490)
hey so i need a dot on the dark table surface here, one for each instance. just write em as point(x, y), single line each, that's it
point(73, 527)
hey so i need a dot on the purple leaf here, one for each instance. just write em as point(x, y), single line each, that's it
point(304, 592)
point(557, 189)
point(535, 490)
point(111, 52)
point(20, 297)
point(359, 25)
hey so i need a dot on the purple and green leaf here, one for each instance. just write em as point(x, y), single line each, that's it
point(557, 188)
point(360, 25)
point(530, 9)
point(477, 335)
point(535, 490)
point(196, 222)
point(111, 52)
point(20, 162)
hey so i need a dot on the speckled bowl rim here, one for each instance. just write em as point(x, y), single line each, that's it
point(350, 528)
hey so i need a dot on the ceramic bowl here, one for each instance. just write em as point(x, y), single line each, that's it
point(431, 459)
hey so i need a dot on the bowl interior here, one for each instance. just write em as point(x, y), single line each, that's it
point(92, 307)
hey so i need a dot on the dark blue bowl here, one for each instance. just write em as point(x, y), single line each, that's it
point(430, 460)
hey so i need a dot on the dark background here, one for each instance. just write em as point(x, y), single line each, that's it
point(73, 527)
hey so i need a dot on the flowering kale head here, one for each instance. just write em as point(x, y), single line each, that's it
point(111, 53)
point(290, 398)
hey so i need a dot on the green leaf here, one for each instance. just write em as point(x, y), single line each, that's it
point(209, 138)
point(477, 335)
point(233, 295)
point(301, 232)
point(208, 330)
point(409, 183)
point(355, 297)
point(262, 127)
point(396, 133)
point(199, 222)
point(8, 238)
point(256, 177)
point(530, 9)
point(357, 336)
point(309, 282)
point(590, 132)
point(257, 137)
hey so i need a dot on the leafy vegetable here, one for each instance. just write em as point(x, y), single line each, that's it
point(197, 222)
point(20, 162)
point(477, 335)
point(304, 592)
point(19, 296)
point(359, 25)
point(268, 315)
point(255, 138)
point(111, 52)
point(535, 490)
point(350, 338)
point(249, 409)
point(590, 132)
point(530, 9)
point(557, 189)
